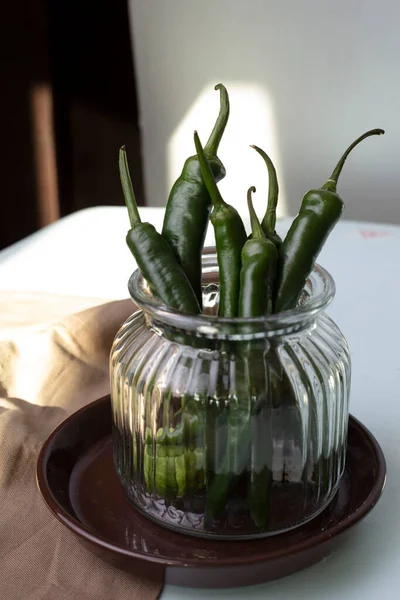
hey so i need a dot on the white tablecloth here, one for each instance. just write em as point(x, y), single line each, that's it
point(85, 254)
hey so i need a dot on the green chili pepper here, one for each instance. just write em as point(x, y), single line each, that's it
point(230, 237)
point(165, 479)
point(257, 276)
point(155, 462)
point(258, 272)
point(269, 221)
point(153, 255)
point(319, 212)
point(257, 281)
point(231, 465)
point(261, 479)
point(148, 461)
point(189, 204)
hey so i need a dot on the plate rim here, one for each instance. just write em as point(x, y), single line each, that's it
point(79, 529)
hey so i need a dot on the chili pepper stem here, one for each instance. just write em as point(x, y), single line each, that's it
point(256, 230)
point(127, 188)
point(209, 180)
point(211, 147)
point(332, 181)
point(269, 220)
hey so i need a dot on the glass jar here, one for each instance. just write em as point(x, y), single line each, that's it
point(230, 428)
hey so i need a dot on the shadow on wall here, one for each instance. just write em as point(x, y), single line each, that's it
point(323, 73)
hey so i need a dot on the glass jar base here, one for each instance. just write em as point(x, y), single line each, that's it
point(192, 524)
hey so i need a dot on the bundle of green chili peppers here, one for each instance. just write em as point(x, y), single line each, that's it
point(259, 274)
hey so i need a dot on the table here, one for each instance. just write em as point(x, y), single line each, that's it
point(84, 254)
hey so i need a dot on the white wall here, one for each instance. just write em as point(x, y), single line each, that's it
point(306, 78)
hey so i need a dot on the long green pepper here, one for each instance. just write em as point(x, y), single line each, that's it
point(153, 255)
point(258, 272)
point(257, 284)
point(189, 203)
point(257, 277)
point(230, 237)
point(319, 212)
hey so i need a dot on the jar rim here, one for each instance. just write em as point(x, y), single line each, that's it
point(319, 292)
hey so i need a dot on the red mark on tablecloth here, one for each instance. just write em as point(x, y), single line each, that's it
point(374, 234)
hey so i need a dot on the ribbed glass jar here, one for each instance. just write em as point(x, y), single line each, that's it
point(230, 428)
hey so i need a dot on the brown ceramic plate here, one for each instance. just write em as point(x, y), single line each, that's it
point(79, 485)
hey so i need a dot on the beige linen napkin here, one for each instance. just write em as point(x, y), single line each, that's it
point(53, 359)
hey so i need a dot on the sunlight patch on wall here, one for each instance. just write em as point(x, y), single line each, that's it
point(251, 121)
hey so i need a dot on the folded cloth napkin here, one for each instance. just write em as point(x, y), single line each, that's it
point(53, 359)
